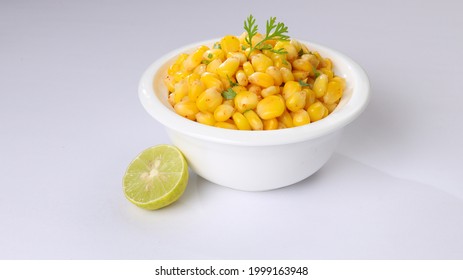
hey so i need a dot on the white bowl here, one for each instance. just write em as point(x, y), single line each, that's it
point(256, 160)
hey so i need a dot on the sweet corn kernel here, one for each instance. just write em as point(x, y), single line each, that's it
point(181, 90)
point(211, 80)
point(309, 97)
point(261, 79)
point(291, 87)
point(169, 82)
point(333, 92)
point(187, 109)
point(302, 64)
point(270, 91)
point(200, 69)
point(331, 107)
point(241, 56)
point(254, 121)
point(296, 101)
point(313, 60)
point(194, 59)
point(276, 75)
point(241, 78)
point(213, 66)
point(213, 54)
point(300, 117)
point(270, 107)
point(223, 112)
point(230, 43)
point(209, 100)
point(286, 74)
point(317, 111)
point(241, 122)
point(248, 69)
point(260, 62)
point(300, 75)
point(245, 100)
point(270, 124)
point(206, 118)
point(239, 89)
point(226, 125)
point(286, 119)
point(195, 89)
point(229, 67)
point(320, 85)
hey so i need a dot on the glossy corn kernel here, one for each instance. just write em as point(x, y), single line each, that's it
point(248, 69)
point(302, 64)
point(200, 69)
point(181, 90)
point(223, 112)
point(260, 62)
point(291, 87)
point(226, 125)
point(176, 66)
point(300, 75)
point(286, 74)
point(194, 59)
point(213, 54)
point(279, 60)
point(239, 89)
point(292, 52)
point(296, 44)
point(276, 75)
point(195, 89)
point(320, 85)
point(312, 59)
point(300, 117)
point(230, 43)
point(296, 101)
point(254, 121)
point(241, 56)
point(211, 80)
point(206, 118)
point(286, 119)
point(241, 122)
point(245, 100)
point(333, 92)
point(331, 107)
point(270, 124)
point(255, 89)
point(310, 97)
point(209, 100)
point(270, 91)
point(229, 67)
point(180, 75)
point(327, 72)
point(327, 63)
point(261, 79)
point(169, 82)
point(341, 81)
point(213, 66)
point(317, 111)
point(241, 78)
point(186, 109)
point(270, 107)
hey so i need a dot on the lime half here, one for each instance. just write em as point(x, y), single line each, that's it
point(156, 178)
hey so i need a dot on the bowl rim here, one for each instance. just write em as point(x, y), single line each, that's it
point(350, 110)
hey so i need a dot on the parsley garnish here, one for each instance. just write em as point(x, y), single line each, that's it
point(273, 31)
point(304, 84)
point(229, 94)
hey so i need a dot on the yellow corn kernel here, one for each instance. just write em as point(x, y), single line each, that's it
point(333, 92)
point(300, 117)
point(300, 75)
point(270, 124)
point(213, 54)
point(276, 75)
point(279, 60)
point(209, 100)
point(181, 90)
point(171, 98)
point(327, 72)
point(194, 59)
point(327, 63)
point(296, 101)
point(270, 91)
point(281, 125)
point(176, 66)
point(180, 75)
point(254, 88)
point(206, 118)
point(227, 81)
point(226, 125)
point(309, 97)
point(229, 67)
point(286, 119)
point(241, 78)
point(319, 86)
point(241, 122)
point(200, 69)
point(248, 69)
point(270, 107)
point(254, 121)
point(296, 44)
point(341, 80)
point(239, 89)
point(261, 79)
point(195, 89)
point(286, 74)
point(213, 66)
point(260, 62)
point(291, 87)
point(169, 82)
point(290, 49)
point(317, 111)
point(312, 59)
point(230, 43)
point(230, 102)
point(245, 100)
point(302, 64)
point(223, 112)
point(241, 56)
point(331, 107)
point(211, 80)
point(187, 109)
point(192, 77)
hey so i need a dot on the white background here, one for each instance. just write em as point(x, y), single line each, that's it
point(70, 122)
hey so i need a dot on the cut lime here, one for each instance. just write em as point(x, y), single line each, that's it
point(156, 178)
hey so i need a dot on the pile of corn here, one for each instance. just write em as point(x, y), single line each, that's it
point(228, 87)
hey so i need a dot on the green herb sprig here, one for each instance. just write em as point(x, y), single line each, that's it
point(273, 31)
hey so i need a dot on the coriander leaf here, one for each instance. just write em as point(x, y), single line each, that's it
point(232, 84)
point(209, 56)
point(304, 84)
point(315, 71)
point(229, 94)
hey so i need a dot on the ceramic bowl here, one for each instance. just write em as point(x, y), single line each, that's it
point(256, 160)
